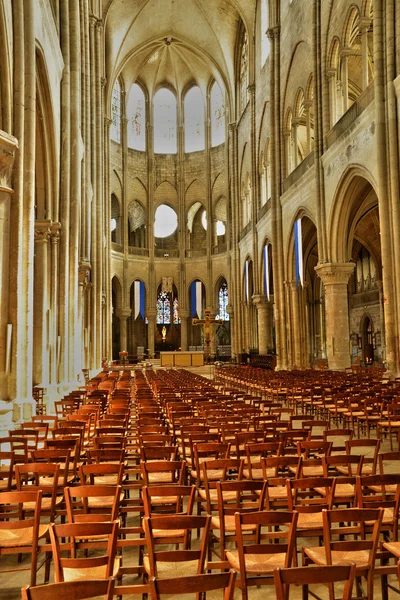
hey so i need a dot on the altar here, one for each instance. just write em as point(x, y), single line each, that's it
point(182, 359)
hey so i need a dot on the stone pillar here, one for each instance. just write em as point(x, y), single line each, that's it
point(296, 324)
point(8, 146)
point(262, 322)
point(295, 151)
point(307, 107)
point(364, 25)
point(123, 317)
point(40, 370)
point(151, 317)
point(184, 316)
point(332, 96)
point(344, 55)
point(335, 277)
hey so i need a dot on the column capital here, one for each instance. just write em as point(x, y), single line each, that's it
point(42, 230)
point(335, 273)
point(364, 23)
point(259, 301)
point(183, 313)
point(273, 32)
point(251, 88)
point(8, 146)
point(331, 73)
point(345, 52)
point(84, 270)
point(229, 310)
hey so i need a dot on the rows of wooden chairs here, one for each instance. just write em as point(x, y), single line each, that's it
point(162, 445)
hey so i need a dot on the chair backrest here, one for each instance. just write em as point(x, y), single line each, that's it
point(160, 529)
point(163, 471)
point(101, 473)
point(284, 578)
point(70, 537)
point(92, 503)
point(194, 584)
point(6, 470)
point(347, 464)
point(278, 535)
point(71, 590)
point(368, 448)
point(355, 521)
point(40, 476)
point(168, 499)
point(303, 496)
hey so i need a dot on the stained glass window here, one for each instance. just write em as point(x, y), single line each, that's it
point(223, 302)
point(176, 311)
point(194, 120)
point(244, 73)
point(217, 115)
point(115, 130)
point(164, 122)
point(163, 309)
point(136, 113)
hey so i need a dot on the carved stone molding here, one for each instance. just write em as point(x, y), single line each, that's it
point(8, 146)
point(42, 231)
point(55, 232)
point(84, 270)
point(335, 273)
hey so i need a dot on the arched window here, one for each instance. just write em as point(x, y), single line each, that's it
point(176, 318)
point(115, 130)
point(265, 45)
point(164, 122)
point(136, 114)
point(217, 107)
point(115, 225)
point(194, 120)
point(163, 309)
point(223, 302)
point(244, 73)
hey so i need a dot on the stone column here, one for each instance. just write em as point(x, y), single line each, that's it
point(295, 152)
point(184, 316)
point(296, 324)
point(8, 146)
point(151, 317)
point(262, 322)
point(40, 371)
point(344, 55)
point(364, 25)
point(331, 73)
point(335, 277)
point(123, 317)
point(307, 107)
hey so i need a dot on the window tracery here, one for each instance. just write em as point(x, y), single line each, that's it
point(136, 113)
point(244, 76)
point(165, 139)
point(115, 129)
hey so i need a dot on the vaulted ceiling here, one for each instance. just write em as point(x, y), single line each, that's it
point(174, 42)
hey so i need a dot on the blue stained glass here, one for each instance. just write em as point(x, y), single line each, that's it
point(223, 302)
point(163, 309)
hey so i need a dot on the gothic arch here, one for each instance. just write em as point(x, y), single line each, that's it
point(355, 180)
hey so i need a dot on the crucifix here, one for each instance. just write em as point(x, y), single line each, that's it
point(207, 322)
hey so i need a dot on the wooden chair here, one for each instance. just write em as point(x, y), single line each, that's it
point(92, 503)
point(71, 590)
point(233, 497)
point(7, 481)
point(273, 546)
point(101, 473)
point(68, 538)
point(345, 484)
point(338, 438)
point(162, 530)
point(228, 469)
point(306, 576)
point(341, 524)
point(203, 452)
point(304, 497)
point(20, 533)
point(195, 584)
point(381, 491)
point(276, 471)
point(43, 477)
point(369, 449)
